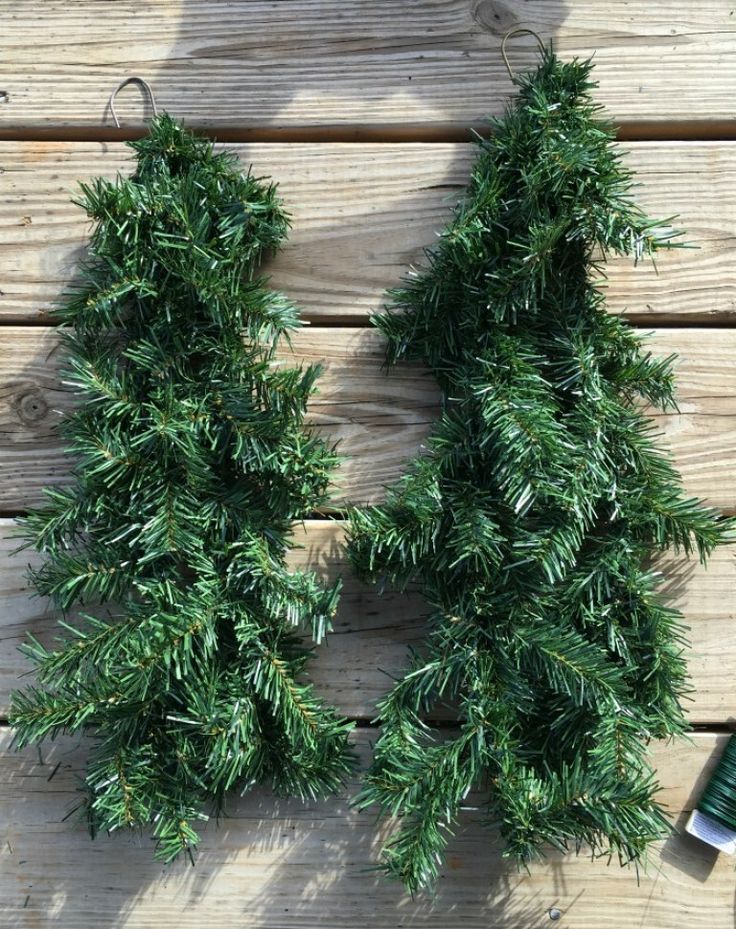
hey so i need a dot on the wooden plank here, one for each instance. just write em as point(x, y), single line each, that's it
point(368, 647)
point(352, 669)
point(274, 864)
point(362, 214)
point(379, 420)
point(255, 63)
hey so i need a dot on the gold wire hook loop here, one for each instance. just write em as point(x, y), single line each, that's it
point(131, 80)
point(510, 35)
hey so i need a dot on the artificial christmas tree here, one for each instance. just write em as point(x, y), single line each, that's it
point(531, 519)
point(191, 464)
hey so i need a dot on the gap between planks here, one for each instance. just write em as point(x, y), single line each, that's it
point(439, 132)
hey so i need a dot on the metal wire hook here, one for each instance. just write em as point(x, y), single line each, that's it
point(509, 35)
point(141, 83)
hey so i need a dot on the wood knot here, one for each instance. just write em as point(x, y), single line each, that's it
point(494, 16)
point(30, 406)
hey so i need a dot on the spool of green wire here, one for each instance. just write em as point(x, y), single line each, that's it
point(714, 820)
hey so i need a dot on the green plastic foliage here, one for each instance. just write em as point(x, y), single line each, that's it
point(530, 521)
point(191, 464)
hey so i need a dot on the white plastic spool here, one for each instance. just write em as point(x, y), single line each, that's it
point(709, 830)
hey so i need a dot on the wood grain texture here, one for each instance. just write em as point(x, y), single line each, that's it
point(257, 63)
point(379, 420)
point(277, 864)
point(363, 214)
point(372, 633)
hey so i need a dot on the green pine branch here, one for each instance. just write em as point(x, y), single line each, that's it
point(191, 465)
point(530, 520)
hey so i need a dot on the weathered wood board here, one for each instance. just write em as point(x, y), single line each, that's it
point(372, 633)
point(307, 63)
point(362, 215)
point(379, 420)
point(282, 864)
